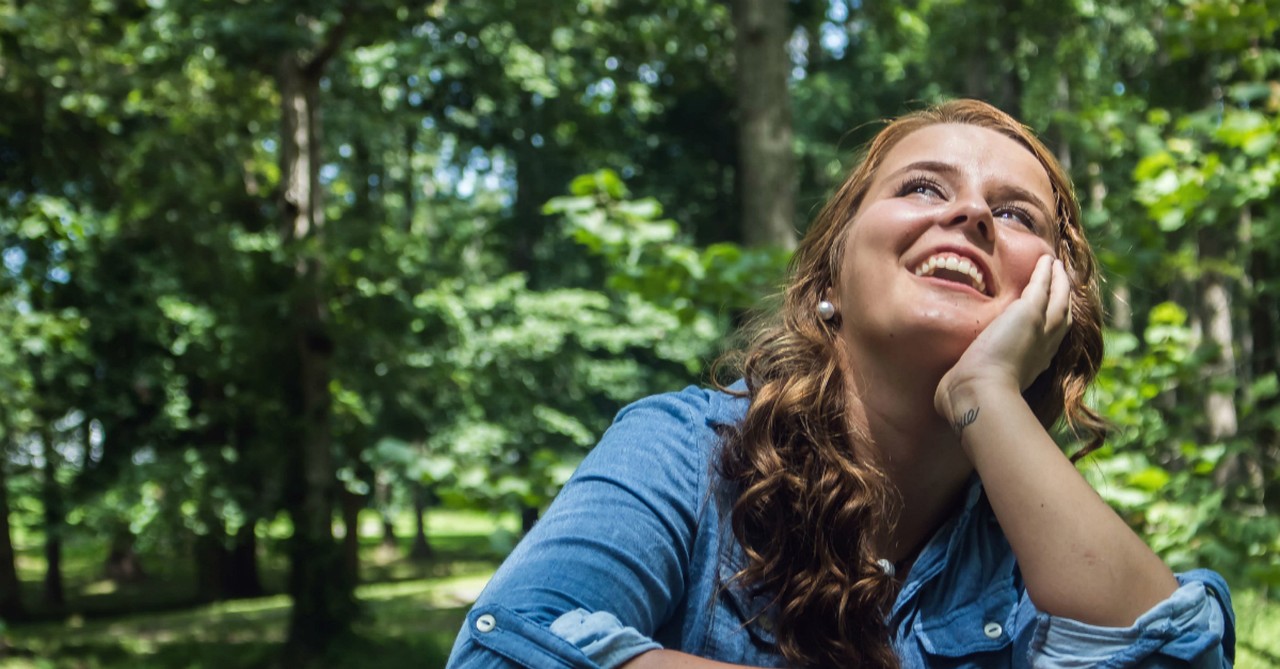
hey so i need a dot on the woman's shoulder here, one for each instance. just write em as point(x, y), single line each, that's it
point(668, 432)
point(692, 407)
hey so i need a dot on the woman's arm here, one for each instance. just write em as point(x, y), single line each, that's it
point(607, 564)
point(1078, 558)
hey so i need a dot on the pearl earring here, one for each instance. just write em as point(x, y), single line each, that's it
point(826, 310)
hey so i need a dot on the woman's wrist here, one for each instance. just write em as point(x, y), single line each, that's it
point(961, 402)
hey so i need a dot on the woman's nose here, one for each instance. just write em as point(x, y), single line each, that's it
point(975, 216)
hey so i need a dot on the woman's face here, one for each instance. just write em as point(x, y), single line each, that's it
point(946, 238)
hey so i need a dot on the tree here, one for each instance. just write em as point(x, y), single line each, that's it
point(766, 173)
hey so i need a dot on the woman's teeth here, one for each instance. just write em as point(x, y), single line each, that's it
point(957, 267)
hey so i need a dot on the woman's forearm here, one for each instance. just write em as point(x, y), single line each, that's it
point(1078, 558)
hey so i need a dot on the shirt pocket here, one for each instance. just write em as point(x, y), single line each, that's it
point(977, 633)
point(734, 634)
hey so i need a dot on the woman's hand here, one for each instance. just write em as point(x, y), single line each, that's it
point(1018, 345)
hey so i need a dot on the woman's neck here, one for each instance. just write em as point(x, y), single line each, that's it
point(917, 450)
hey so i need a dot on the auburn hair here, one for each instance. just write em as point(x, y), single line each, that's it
point(805, 505)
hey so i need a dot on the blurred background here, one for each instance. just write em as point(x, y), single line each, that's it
point(308, 308)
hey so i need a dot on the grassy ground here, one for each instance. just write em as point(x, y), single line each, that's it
point(412, 612)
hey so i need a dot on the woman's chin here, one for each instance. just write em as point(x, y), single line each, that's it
point(933, 343)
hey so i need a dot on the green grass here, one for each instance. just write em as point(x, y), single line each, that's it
point(411, 610)
point(406, 624)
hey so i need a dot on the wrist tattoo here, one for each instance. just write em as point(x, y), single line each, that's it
point(965, 420)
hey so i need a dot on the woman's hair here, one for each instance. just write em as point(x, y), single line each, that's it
point(806, 504)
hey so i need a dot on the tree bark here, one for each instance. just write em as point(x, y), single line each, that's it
point(319, 584)
point(766, 163)
point(210, 569)
point(224, 572)
point(1240, 466)
point(1121, 311)
point(389, 539)
point(1264, 358)
point(123, 564)
point(1214, 300)
point(409, 186)
point(351, 504)
point(421, 548)
point(241, 579)
point(11, 608)
point(382, 494)
point(51, 496)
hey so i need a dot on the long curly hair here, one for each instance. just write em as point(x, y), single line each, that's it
point(806, 504)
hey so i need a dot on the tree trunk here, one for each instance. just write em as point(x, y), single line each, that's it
point(389, 539)
point(528, 220)
point(1121, 311)
point(382, 493)
point(351, 504)
point(323, 594)
point(11, 609)
point(409, 186)
point(421, 549)
point(987, 69)
point(1245, 466)
point(51, 497)
point(1215, 316)
point(1264, 358)
point(1220, 404)
point(766, 163)
point(227, 573)
point(240, 579)
point(209, 556)
point(123, 564)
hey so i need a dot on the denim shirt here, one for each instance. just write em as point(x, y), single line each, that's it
point(635, 552)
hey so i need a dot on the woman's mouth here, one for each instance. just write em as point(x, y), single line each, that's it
point(954, 268)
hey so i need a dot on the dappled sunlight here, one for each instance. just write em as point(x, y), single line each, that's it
point(103, 587)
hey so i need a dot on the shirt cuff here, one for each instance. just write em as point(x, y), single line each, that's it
point(1188, 626)
point(602, 637)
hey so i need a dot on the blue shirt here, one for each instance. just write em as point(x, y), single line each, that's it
point(634, 552)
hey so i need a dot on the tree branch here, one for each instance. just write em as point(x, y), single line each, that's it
point(313, 67)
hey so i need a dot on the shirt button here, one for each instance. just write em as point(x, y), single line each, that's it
point(486, 623)
point(992, 630)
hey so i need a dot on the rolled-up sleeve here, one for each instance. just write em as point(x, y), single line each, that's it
point(604, 568)
point(1193, 627)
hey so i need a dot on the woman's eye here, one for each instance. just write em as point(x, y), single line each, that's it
point(920, 187)
point(1019, 215)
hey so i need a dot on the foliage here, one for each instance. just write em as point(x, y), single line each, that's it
point(1154, 470)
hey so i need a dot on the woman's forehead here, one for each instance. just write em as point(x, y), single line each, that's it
point(971, 151)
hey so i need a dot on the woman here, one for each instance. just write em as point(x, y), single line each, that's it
point(881, 489)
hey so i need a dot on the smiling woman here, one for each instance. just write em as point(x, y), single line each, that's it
point(880, 489)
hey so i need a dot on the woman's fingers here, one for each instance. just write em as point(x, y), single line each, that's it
point(1038, 285)
point(1058, 310)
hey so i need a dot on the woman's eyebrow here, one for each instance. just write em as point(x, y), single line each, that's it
point(927, 166)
